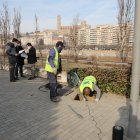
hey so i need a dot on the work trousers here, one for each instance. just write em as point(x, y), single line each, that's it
point(33, 70)
point(53, 84)
point(21, 70)
point(12, 71)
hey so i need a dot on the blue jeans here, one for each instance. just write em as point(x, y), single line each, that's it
point(53, 84)
point(21, 70)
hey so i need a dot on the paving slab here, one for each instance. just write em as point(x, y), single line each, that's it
point(28, 113)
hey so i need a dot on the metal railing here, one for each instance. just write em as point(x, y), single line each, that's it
point(94, 63)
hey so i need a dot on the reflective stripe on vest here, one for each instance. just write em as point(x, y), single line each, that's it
point(88, 82)
point(90, 78)
point(55, 61)
point(50, 65)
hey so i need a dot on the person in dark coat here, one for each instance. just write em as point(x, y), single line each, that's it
point(12, 54)
point(31, 59)
point(20, 61)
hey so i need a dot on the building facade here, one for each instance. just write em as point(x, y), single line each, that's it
point(99, 35)
point(49, 37)
point(104, 35)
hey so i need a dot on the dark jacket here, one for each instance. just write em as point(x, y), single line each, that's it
point(32, 56)
point(60, 64)
point(20, 60)
point(11, 51)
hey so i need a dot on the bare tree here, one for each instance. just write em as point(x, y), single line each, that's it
point(1, 39)
point(4, 29)
point(125, 19)
point(38, 41)
point(74, 37)
point(36, 29)
point(17, 22)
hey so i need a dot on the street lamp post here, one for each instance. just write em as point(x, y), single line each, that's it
point(134, 97)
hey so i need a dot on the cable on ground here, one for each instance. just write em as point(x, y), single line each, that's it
point(43, 86)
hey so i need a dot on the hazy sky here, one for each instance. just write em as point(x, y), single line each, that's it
point(95, 12)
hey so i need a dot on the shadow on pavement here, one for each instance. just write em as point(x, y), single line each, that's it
point(124, 119)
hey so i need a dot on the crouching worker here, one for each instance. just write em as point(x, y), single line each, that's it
point(88, 88)
point(53, 67)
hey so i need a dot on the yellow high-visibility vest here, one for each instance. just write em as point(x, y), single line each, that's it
point(55, 61)
point(87, 82)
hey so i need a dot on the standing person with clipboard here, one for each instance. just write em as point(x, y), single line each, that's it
point(20, 60)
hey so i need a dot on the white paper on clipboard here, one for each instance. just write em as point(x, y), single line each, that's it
point(21, 51)
point(24, 55)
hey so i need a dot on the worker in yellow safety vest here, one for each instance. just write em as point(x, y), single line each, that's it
point(53, 66)
point(88, 86)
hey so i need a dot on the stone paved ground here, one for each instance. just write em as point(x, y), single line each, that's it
point(27, 114)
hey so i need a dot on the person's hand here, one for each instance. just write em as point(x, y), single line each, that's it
point(54, 70)
point(84, 99)
point(16, 54)
point(45, 73)
point(96, 100)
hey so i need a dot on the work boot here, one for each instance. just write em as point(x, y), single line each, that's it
point(16, 78)
point(23, 76)
point(55, 99)
point(30, 78)
point(12, 80)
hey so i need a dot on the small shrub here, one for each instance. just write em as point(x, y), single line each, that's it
point(109, 80)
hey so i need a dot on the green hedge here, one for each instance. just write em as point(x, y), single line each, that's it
point(109, 80)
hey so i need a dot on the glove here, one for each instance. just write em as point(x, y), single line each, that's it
point(54, 70)
point(96, 100)
point(84, 99)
